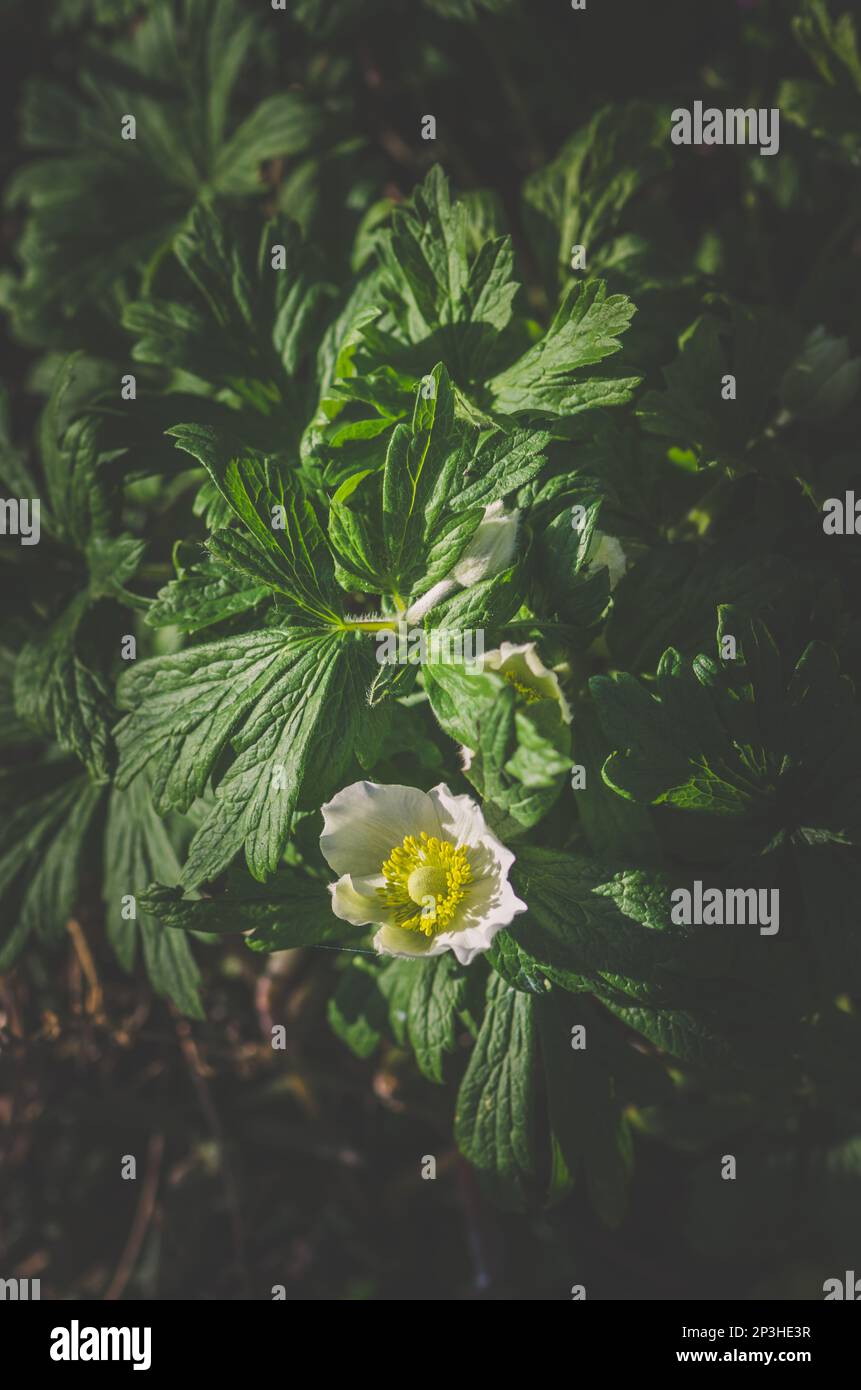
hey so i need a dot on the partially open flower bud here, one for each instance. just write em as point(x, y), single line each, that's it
point(522, 667)
point(606, 551)
point(491, 547)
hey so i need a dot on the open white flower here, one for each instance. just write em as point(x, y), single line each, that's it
point(523, 668)
point(421, 866)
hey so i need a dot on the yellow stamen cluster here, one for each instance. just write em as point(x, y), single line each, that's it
point(427, 873)
point(529, 693)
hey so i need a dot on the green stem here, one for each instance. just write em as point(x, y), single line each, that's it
point(369, 625)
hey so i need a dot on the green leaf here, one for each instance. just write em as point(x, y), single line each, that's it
point(437, 996)
point(47, 813)
point(613, 825)
point(828, 115)
point(584, 919)
point(520, 753)
point(584, 330)
point(829, 112)
point(682, 1034)
point(204, 594)
point(581, 197)
point(823, 379)
point(244, 326)
point(396, 983)
point(585, 1113)
point(100, 207)
point(496, 1112)
point(467, 10)
point(420, 462)
point(487, 605)
point(62, 691)
point(80, 502)
point(502, 463)
point(827, 40)
point(756, 347)
point(138, 850)
point(284, 547)
point(740, 737)
point(419, 1002)
point(289, 910)
point(112, 562)
point(357, 1010)
point(412, 528)
point(579, 594)
point(667, 598)
point(284, 124)
point(14, 731)
point(288, 703)
point(439, 297)
point(513, 962)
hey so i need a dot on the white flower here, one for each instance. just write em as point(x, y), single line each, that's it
point(421, 866)
point(490, 550)
point(523, 668)
point(607, 551)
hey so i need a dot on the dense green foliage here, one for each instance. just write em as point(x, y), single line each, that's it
point(425, 351)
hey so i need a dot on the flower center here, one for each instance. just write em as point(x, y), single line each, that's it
point(529, 694)
point(427, 873)
point(430, 879)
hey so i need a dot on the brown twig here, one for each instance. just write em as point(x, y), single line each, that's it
point(95, 998)
point(140, 1224)
point(198, 1072)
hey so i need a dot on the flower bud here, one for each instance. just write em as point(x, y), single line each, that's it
point(491, 547)
point(606, 551)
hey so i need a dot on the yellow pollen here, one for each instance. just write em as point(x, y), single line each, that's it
point(529, 694)
point(427, 873)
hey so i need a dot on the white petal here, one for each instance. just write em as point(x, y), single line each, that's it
point(363, 823)
point(523, 662)
point(423, 605)
point(462, 822)
point(607, 551)
point(355, 900)
point(526, 650)
point(490, 548)
point(492, 905)
point(395, 941)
